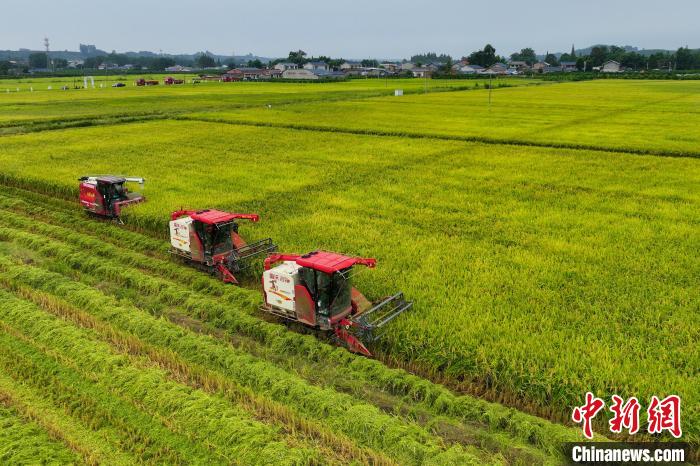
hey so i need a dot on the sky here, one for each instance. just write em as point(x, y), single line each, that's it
point(348, 29)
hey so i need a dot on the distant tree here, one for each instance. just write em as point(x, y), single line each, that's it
point(92, 63)
point(430, 57)
point(5, 67)
point(255, 63)
point(615, 53)
point(60, 63)
point(599, 54)
point(117, 58)
point(231, 64)
point(447, 67)
point(205, 60)
point(582, 64)
point(551, 59)
point(485, 57)
point(684, 59)
point(335, 63)
point(38, 60)
point(160, 63)
point(370, 63)
point(298, 57)
point(632, 60)
point(659, 60)
point(527, 55)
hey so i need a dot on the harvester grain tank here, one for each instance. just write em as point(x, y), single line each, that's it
point(315, 290)
point(209, 239)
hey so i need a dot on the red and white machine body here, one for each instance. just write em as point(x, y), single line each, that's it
point(315, 289)
point(106, 195)
point(210, 239)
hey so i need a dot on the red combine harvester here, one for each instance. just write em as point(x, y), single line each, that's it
point(146, 82)
point(106, 195)
point(209, 239)
point(315, 289)
point(170, 80)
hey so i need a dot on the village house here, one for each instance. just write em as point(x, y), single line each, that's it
point(518, 66)
point(552, 69)
point(390, 67)
point(178, 69)
point(271, 74)
point(298, 74)
point(246, 73)
point(568, 66)
point(470, 69)
point(540, 66)
point(311, 75)
point(422, 72)
point(350, 65)
point(498, 68)
point(329, 74)
point(286, 66)
point(611, 66)
point(316, 66)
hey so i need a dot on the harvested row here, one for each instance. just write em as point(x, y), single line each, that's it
point(115, 329)
point(93, 447)
point(119, 425)
point(23, 441)
point(201, 419)
point(327, 375)
point(412, 389)
point(362, 422)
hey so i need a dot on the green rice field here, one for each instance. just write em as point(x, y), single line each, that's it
point(548, 240)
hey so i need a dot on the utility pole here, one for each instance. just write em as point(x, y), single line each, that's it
point(46, 46)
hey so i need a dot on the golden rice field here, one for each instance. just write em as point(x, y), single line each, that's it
point(549, 243)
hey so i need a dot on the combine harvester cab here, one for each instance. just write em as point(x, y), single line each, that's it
point(209, 239)
point(315, 290)
point(106, 195)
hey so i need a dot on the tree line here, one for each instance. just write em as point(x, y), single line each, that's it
point(681, 59)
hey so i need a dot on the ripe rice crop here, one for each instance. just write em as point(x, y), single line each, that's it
point(646, 117)
point(19, 437)
point(212, 364)
point(84, 107)
point(539, 269)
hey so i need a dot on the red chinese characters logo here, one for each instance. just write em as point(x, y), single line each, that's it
point(587, 412)
point(665, 415)
point(625, 416)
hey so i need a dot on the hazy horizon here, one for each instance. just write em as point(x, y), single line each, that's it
point(386, 29)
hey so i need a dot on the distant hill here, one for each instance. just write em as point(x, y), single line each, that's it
point(627, 48)
point(23, 54)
